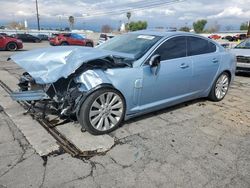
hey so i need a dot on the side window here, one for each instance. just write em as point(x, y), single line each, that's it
point(212, 47)
point(197, 46)
point(173, 48)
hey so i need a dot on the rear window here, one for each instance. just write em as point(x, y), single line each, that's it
point(197, 46)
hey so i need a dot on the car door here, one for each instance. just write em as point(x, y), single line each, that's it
point(76, 40)
point(2, 42)
point(206, 62)
point(171, 83)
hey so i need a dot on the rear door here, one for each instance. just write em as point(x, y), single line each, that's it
point(206, 60)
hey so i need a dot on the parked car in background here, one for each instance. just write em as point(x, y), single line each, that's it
point(4, 34)
point(43, 37)
point(104, 37)
point(242, 52)
point(27, 37)
point(229, 38)
point(70, 39)
point(240, 37)
point(130, 75)
point(9, 43)
point(215, 37)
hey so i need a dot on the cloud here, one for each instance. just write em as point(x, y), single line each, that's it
point(231, 12)
point(56, 12)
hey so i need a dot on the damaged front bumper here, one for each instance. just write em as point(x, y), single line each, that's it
point(29, 95)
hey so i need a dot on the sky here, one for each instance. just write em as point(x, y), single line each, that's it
point(92, 14)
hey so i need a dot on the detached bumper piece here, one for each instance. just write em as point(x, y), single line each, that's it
point(29, 95)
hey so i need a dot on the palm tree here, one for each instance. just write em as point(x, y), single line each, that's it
point(128, 16)
point(71, 22)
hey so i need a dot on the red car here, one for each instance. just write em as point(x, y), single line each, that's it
point(215, 37)
point(70, 39)
point(10, 43)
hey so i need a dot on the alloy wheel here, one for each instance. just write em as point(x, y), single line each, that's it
point(222, 85)
point(106, 111)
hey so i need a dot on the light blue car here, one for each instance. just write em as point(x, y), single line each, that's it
point(129, 75)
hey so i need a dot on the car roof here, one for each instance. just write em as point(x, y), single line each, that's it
point(162, 33)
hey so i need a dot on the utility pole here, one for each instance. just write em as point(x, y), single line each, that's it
point(248, 32)
point(37, 17)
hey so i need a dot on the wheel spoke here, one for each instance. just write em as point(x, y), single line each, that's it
point(94, 113)
point(114, 100)
point(117, 113)
point(117, 105)
point(96, 119)
point(106, 124)
point(109, 97)
point(112, 119)
point(96, 105)
point(102, 99)
point(100, 124)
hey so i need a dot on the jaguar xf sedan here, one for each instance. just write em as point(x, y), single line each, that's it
point(127, 76)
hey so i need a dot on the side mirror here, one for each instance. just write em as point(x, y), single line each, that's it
point(154, 63)
point(155, 60)
point(1, 37)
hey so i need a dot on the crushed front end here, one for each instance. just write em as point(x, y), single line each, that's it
point(61, 96)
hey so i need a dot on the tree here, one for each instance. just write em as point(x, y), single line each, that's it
point(140, 25)
point(128, 16)
point(199, 26)
point(244, 26)
point(106, 29)
point(185, 28)
point(71, 22)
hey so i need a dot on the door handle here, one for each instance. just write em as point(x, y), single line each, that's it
point(215, 60)
point(184, 66)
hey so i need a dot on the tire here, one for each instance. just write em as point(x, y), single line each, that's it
point(11, 46)
point(88, 44)
point(64, 44)
point(97, 117)
point(220, 87)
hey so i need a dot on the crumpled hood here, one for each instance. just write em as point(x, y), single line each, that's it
point(47, 65)
point(241, 52)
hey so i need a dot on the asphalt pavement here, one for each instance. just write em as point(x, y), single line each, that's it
point(195, 144)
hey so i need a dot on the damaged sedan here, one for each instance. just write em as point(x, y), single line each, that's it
point(129, 75)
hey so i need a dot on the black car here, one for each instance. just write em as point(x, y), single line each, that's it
point(229, 38)
point(27, 38)
point(43, 37)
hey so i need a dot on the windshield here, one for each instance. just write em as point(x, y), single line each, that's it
point(76, 36)
point(135, 44)
point(245, 44)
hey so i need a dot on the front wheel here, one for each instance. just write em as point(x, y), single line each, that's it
point(220, 87)
point(102, 112)
point(11, 46)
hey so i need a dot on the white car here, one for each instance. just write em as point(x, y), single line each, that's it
point(242, 52)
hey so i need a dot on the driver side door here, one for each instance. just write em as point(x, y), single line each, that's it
point(170, 85)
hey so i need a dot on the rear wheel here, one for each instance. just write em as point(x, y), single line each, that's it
point(220, 87)
point(11, 46)
point(102, 112)
point(89, 44)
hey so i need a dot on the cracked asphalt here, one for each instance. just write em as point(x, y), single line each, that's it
point(196, 144)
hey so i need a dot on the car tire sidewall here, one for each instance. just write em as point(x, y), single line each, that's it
point(8, 47)
point(83, 117)
point(212, 96)
point(88, 44)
